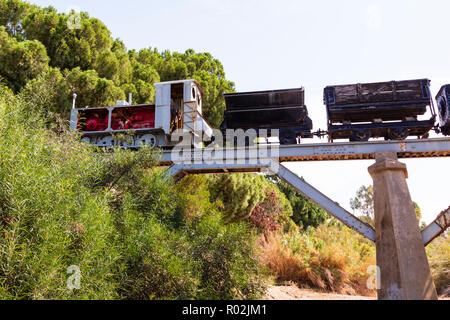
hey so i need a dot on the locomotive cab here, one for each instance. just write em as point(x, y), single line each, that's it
point(177, 108)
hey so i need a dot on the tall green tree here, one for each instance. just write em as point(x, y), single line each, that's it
point(68, 46)
point(208, 71)
point(241, 193)
point(20, 61)
point(304, 212)
point(12, 13)
point(363, 204)
point(92, 90)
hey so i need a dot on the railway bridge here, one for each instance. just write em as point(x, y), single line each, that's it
point(400, 245)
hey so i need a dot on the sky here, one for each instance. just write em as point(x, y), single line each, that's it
point(291, 43)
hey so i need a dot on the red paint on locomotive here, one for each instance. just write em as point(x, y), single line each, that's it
point(130, 118)
point(93, 120)
point(123, 118)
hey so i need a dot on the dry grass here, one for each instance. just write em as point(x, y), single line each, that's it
point(439, 258)
point(331, 258)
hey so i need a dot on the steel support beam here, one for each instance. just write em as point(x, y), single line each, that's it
point(426, 148)
point(325, 203)
point(437, 227)
point(180, 170)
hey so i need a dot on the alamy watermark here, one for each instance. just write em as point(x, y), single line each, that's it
point(74, 279)
point(74, 20)
point(374, 280)
point(233, 148)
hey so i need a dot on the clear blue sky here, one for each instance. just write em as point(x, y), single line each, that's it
point(289, 43)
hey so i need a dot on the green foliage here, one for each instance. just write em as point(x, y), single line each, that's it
point(363, 204)
point(49, 89)
point(48, 219)
point(12, 13)
point(68, 47)
point(92, 90)
point(227, 260)
point(305, 213)
point(241, 193)
point(130, 230)
point(93, 64)
point(20, 61)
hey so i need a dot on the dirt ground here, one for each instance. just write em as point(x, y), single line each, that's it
point(295, 293)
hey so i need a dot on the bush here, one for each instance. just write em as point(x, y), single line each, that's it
point(439, 258)
point(227, 259)
point(48, 220)
point(130, 230)
point(331, 257)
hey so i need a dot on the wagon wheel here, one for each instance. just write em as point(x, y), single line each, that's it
point(362, 135)
point(86, 140)
point(147, 140)
point(398, 134)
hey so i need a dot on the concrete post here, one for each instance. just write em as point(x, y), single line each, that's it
point(401, 257)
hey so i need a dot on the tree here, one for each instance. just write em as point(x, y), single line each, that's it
point(363, 203)
point(199, 66)
point(12, 13)
point(92, 90)
point(305, 213)
point(241, 193)
point(68, 47)
point(20, 61)
point(49, 92)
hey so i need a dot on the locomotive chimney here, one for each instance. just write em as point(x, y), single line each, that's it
point(74, 100)
point(130, 98)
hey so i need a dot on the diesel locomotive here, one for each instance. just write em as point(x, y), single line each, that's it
point(178, 107)
point(357, 112)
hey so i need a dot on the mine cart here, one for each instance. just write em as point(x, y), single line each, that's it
point(443, 102)
point(283, 110)
point(388, 110)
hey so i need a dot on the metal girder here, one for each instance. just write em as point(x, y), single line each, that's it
point(424, 148)
point(267, 158)
point(325, 203)
point(437, 227)
point(178, 171)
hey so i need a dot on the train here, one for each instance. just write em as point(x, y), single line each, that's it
point(178, 107)
point(392, 110)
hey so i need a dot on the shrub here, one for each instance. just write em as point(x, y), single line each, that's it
point(439, 258)
point(331, 257)
point(48, 220)
point(227, 259)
